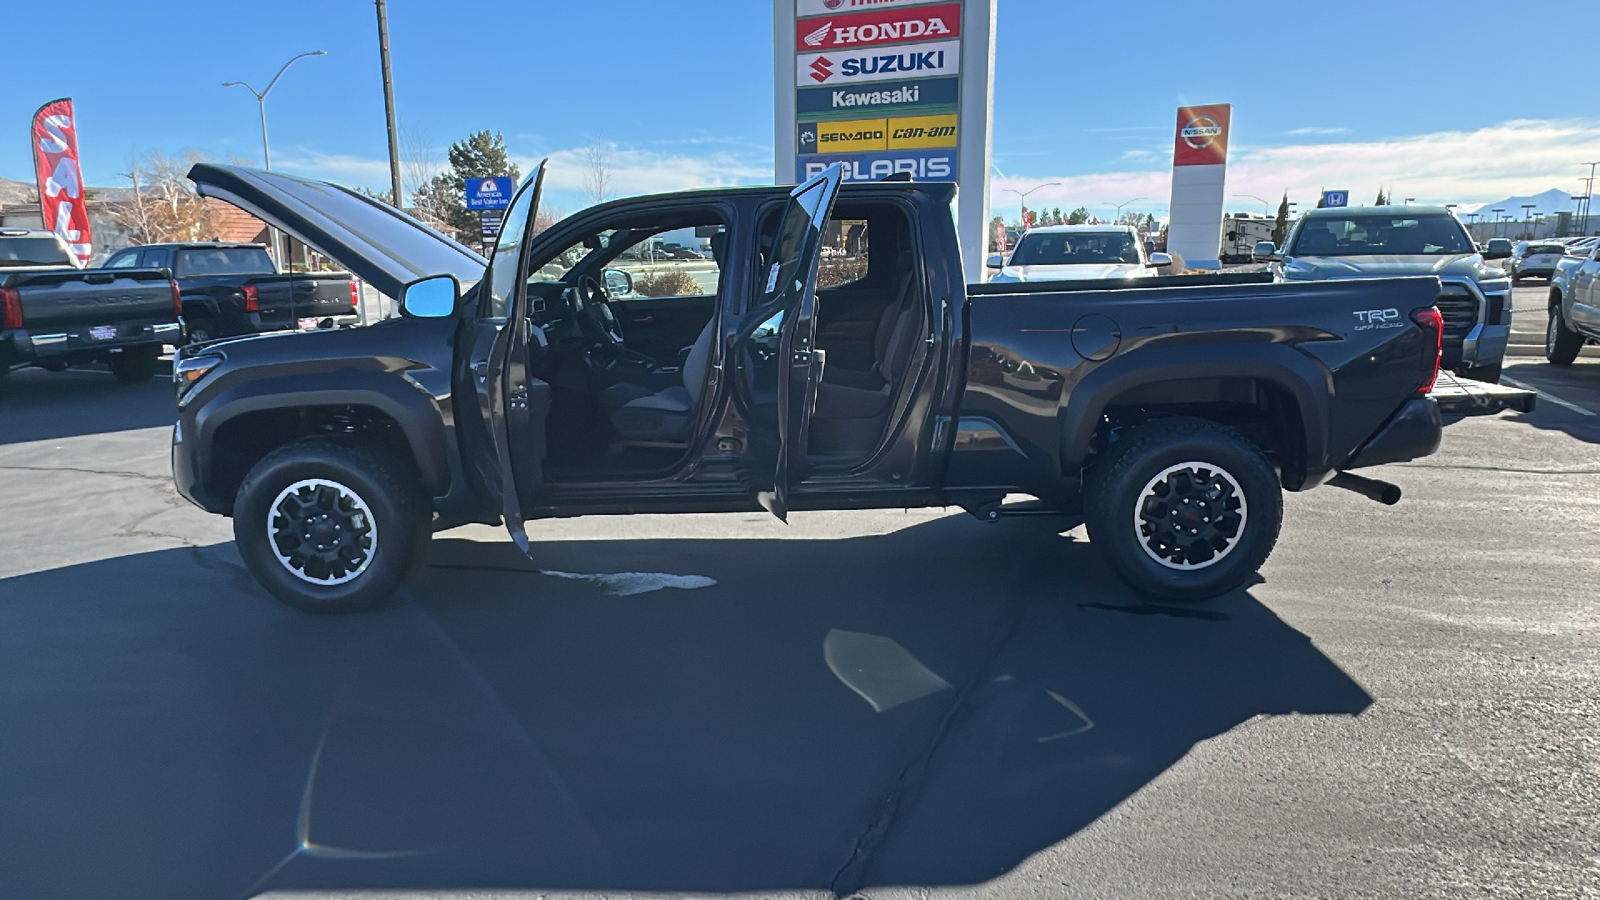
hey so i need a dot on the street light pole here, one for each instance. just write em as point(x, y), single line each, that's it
point(1022, 204)
point(266, 152)
point(1497, 219)
point(1119, 206)
point(1527, 217)
point(1266, 205)
point(1588, 191)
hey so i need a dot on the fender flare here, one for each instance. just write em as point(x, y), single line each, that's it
point(1304, 379)
point(421, 421)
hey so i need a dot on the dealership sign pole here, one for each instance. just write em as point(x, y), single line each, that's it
point(62, 203)
point(1199, 170)
point(890, 87)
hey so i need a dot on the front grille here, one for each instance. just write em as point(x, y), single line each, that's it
point(1460, 310)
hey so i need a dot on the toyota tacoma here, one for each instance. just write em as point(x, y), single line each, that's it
point(1169, 413)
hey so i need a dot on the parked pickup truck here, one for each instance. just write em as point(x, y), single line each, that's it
point(1574, 306)
point(54, 314)
point(232, 289)
point(1169, 414)
point(1390, 241)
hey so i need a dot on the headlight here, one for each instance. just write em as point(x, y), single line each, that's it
point(185, 372)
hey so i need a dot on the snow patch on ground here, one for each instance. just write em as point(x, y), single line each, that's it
point(626, 584)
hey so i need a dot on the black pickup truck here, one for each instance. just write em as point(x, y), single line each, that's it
point(54, 314)
point(233, 289)
point(1169, 413)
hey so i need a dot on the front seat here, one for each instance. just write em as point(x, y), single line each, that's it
point(640, 414)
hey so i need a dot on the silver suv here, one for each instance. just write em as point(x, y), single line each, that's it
point(1390, 241)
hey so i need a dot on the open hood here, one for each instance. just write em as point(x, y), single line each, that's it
point(383, 246)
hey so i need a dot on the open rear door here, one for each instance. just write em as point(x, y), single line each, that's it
point(783, 363)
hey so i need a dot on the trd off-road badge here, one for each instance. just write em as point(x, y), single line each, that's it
point(1374, 319)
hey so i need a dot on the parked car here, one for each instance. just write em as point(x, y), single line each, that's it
point(1580, 246)
point(1390, 241)
point(231, 289)
point(1574, 306)
point(1076, 252)
point(1535, 259)
point(1170, 418)
point(54, 314)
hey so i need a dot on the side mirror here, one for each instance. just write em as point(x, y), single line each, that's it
point(619, 283)
point(1265, 251)
point(434, 297)
point(1493, 253)
point(997, 261)
point(1160, 260)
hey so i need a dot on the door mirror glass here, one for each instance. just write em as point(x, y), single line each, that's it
point(430, 298)
point(618, 283)
point(997, 261)
point(1160, 260)
point(1264, 250)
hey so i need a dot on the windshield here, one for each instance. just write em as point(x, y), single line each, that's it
point(42, 250)
point(1379, 234)
point(1046, 248)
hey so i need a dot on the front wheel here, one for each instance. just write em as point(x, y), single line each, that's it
point(1184, 509)
point(330, 527)
point(1561, 344)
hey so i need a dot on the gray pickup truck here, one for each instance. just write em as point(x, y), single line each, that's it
point(54, 314)
point(1574, 306)
point(1394, 241)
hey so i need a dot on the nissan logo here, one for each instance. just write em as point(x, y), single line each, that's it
point(1200, 132)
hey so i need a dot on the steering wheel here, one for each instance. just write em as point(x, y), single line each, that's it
point(595, 316)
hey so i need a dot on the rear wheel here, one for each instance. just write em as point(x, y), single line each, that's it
point(136, 364)
point(1184, 509)
point(329, 527)
point(200, 330)
point(1561, 344)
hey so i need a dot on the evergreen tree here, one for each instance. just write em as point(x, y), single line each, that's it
point(1280, 225)
point(1079, 216)
point(1382, 200)
point(481, 154)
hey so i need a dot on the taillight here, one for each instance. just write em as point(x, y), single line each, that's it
point(10, 308)
point(1431, 320)
point(355, 295)
point(177, 297)
point(252, 303)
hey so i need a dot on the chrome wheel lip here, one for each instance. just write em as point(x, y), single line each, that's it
point(357, 504)
point(1551, 331)
point(1194, 467)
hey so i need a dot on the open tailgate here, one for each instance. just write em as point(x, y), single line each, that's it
point(1459, 396)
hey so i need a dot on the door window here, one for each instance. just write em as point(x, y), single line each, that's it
point(505, 266)
point(127, 259)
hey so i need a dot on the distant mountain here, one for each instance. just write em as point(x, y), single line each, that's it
point(1548, 203)
point(14, 192)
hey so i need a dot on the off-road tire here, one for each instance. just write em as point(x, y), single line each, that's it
point(1126, 486)
point(200, 330)
point(385, 487)
point(136, 364)
point(1561, 344)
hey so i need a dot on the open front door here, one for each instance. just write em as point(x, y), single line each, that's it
point(784, 365)
point(514, 403)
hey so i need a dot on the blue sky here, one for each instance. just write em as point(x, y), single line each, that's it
point(1351, 95)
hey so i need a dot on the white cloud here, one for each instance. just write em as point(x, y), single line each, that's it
point(1467, 167)
point(1314, 130)
point(639, 171)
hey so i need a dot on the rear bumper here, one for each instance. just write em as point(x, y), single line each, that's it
point(19, 346)
point(1414, 431)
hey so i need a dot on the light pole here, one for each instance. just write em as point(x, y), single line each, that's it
point(1266, 205)
point(266, 153)
point(1119, 206)
point(261, 100)
point(1580, 201)
point(1023, 203)
point(1527, 217)
point(1497, 218)
point(1588, 191)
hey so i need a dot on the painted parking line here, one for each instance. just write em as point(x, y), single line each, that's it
point(1566, 404)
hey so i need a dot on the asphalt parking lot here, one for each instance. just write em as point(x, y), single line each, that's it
point(904, 704)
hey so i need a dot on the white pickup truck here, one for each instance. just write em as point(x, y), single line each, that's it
point(1077, 253)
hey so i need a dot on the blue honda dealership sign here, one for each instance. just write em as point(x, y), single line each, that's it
point(489, 193)
point(1335, 198)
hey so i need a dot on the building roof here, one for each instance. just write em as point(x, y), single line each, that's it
point(236, 226)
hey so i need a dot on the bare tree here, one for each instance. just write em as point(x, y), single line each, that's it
point(164, 206)
point(597, 170)
point(419, 163)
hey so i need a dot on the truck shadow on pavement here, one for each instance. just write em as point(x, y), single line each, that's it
point(1578, 384)
point(927, 707)
point(36, 405)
